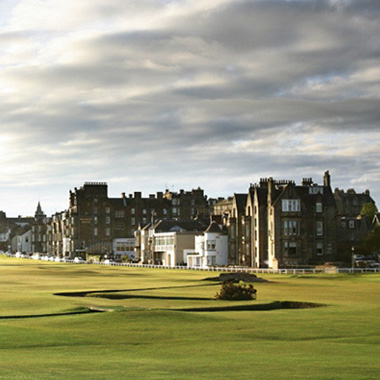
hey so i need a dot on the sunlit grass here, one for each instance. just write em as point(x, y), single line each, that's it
point(145, 338)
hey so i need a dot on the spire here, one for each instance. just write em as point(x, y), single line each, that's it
point(39, 214)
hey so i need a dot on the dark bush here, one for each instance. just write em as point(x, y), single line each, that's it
point(236, 292)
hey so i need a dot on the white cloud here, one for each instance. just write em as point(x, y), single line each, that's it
point(143, 93)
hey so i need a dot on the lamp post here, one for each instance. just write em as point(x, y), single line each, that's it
point(353, 256)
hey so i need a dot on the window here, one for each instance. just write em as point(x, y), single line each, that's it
point(319, 249)
point(119, 214)
point(316, 190)
point(133, 221)
point(95, 210)
point(108, 220)
point(211, 245)
point(318, 207)
point(211, 260)
point(351, 224)
point(144, 220)
point(95, 232)
point(319, 228)
point(108, 231)
point(108, 210)
point(95, 220)
point(174, 210)
point(164, 211)
point(290, 248)
point(291, 227)
point(144, 211)
point(291, 205)
point(133, 211)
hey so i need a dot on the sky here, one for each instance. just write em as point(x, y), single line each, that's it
point(149, 95)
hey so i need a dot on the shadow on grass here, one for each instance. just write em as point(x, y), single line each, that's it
point(98, 292)
point(129, 296)
point(74, 312)
point(276, 305)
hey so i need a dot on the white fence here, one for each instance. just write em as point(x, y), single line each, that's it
point(293, 271)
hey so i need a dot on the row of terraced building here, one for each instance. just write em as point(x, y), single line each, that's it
point(277, 223)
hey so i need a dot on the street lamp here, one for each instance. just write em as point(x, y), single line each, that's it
point(353, 257)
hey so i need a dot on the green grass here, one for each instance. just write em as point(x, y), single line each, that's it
point(148, 337)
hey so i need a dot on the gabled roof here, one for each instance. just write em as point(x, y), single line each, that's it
point(262, 195)
point(172, 225)
point(241, 201)
point(213, 227)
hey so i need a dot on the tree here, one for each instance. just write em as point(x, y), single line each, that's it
point(369, 210)
point(372, 242)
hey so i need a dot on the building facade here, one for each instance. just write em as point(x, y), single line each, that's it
point(94, 223)
point(280, 224)
point(352, 226)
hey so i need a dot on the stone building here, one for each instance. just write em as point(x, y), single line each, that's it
point(39, 231)
point(94, 221)
point(279, 224)
point(301, 222)
point(188, 204)
point(233, 213)
point(352, 227)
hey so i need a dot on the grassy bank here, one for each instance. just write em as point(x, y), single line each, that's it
point(145, 334)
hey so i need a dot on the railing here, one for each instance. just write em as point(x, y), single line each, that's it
point(291, 271)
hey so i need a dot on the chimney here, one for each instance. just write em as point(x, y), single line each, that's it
point(327, 179)
point(270, 189)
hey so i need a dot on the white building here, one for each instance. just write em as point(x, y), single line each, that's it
point(211, 248)
point(124, 247)
point(172, 248)
point(22, 242)
point(168, 242)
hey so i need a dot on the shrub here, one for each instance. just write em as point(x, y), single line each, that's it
point(236, 292)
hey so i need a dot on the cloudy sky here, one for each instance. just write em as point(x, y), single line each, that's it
point(154, 94)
